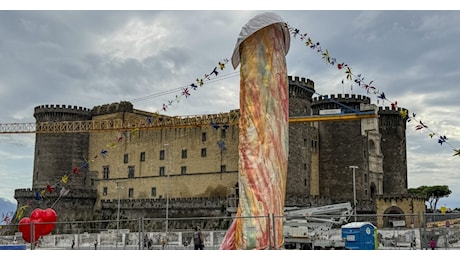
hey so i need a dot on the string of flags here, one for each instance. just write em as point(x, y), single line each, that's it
point(199, 82)
point(369, 87)
point(62, 185)
point(104, 153)
point(357, 79)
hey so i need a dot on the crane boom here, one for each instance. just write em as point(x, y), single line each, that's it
point(231, 118)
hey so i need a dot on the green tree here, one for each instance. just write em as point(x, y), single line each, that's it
point(432, 194)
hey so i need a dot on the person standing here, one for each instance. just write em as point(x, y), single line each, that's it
point(95, 244)
point(432, 244)
point(198, 240)
point(73, 243)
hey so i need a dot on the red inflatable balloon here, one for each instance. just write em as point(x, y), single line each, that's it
point(49, 216)
point(25, 228)
point(43, 223)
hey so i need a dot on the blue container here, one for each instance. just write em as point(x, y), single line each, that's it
point(13, 247)
point(360, 236)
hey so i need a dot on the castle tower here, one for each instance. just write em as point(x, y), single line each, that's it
point(393, 129)
point(57, 154)
point(60, 154)
point(302, 178)
point(349, 143)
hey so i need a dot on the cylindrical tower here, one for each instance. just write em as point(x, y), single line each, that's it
point(343, 144)
point(58, 154)
point(393, 129)
point(302, 165)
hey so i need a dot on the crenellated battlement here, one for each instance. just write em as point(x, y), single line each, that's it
point(343, 98)
point(45, 113)
point(391, 117)
point(301, 88)
point(60, 108)
point(390, 110)
point(117, 107)
point(158, 203)
point(348, 103)
point(75, 193)
point(301, 81)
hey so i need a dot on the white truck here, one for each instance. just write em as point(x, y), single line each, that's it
point(316, 227)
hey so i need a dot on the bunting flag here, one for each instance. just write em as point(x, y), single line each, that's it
point(358, 79)
point(6, 218)
point(20, 211)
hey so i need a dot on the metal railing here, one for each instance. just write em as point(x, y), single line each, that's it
point(151, 234)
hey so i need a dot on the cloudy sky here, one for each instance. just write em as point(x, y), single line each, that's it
point(90, 58)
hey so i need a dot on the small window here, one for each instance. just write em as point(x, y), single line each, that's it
point(305, 142)
point(131, 171)
point(314, 145)
point(106, 171)
point(223, 133)
point(203, 137)
point(184, 153)
point(304, 166)
point(153, 194)
point(203, 152)
point(125, 158)
point(223, 168)
point(162, 154)
point(142, 156)
point(104, 191)
point(131, 192)
point(183, 170)
point(162, 171)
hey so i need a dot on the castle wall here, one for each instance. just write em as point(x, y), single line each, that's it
point(200, 161)
point(77, 205)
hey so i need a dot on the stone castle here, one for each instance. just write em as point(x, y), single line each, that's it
point(189, 165)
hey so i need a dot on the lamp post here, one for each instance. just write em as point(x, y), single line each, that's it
point(167, 191)
point(354, 189)
point(118, 213)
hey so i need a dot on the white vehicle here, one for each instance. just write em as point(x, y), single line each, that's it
point(317, 227)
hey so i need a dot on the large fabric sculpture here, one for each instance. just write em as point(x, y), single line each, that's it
point(263, 134)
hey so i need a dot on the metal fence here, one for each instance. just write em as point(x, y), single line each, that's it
point(152, 234)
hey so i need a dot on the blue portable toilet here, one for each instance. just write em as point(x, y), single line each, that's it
point(360, 236)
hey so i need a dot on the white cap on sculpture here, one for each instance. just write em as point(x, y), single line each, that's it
point(258, 22)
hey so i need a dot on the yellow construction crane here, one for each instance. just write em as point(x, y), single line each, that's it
point(154, 122)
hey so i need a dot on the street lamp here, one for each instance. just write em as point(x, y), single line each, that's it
point(167, 191)
point(118, 212)
point(354, 189)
